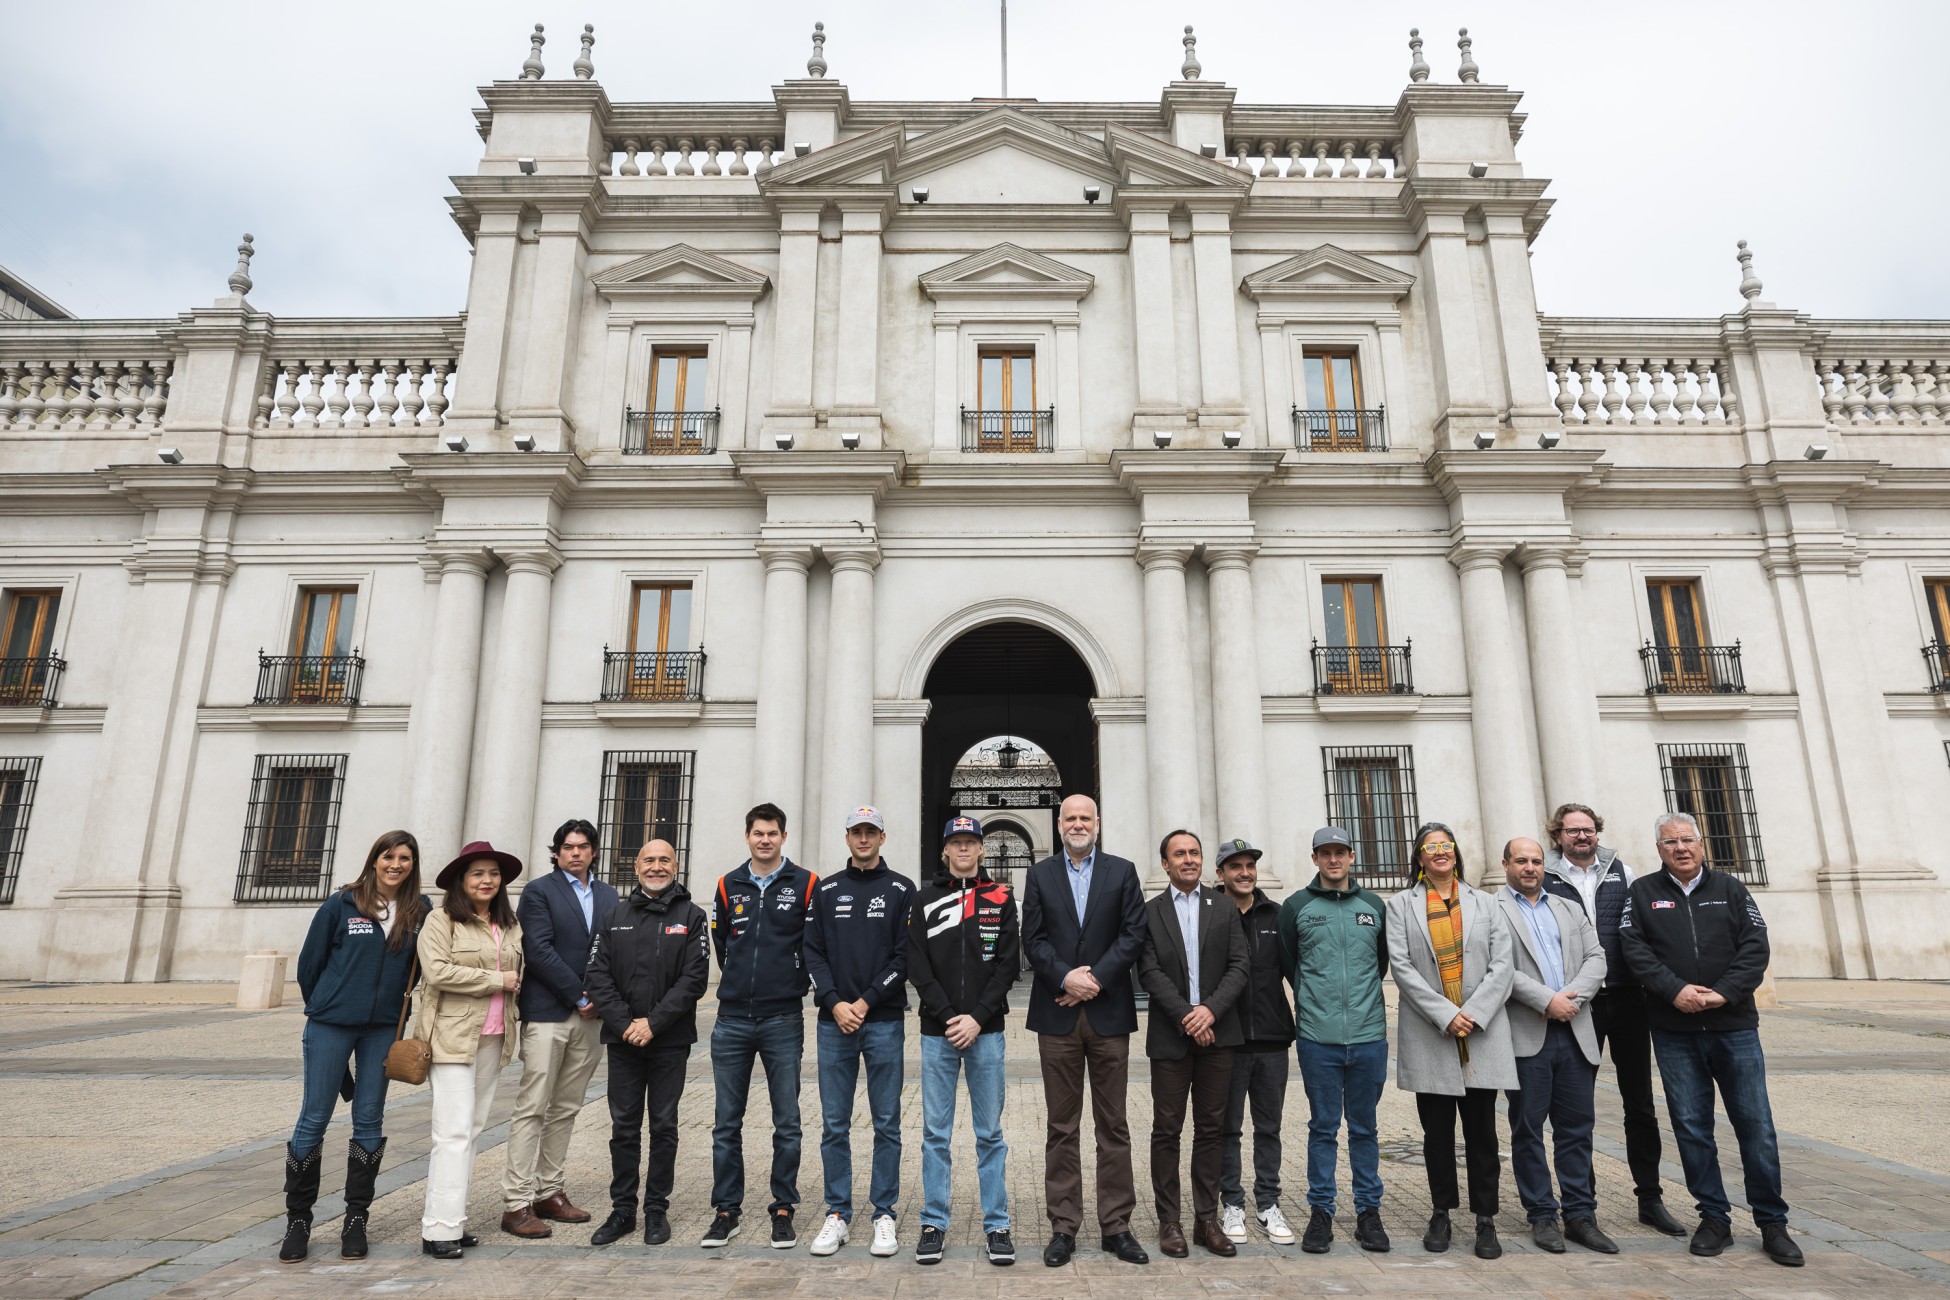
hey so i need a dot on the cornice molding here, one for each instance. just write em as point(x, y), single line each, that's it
point(820, 473)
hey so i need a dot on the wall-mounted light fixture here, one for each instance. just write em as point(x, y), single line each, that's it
point(850, 439)
point(783, 441)
point(527, 166)
point(1091, 193)
point(1816, 450)
point(1485, 440)
point(524, 442)
point(1549, 438)
point(169, 455)
point(1161, 438)
point(1230, 437)
point(800, 148)
point(920, 194)
point(1478, 171)
point(455, 442)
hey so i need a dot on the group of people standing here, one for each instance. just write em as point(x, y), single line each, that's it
point(1516, 992)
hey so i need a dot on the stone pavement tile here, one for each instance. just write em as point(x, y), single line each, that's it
point(45, 1278)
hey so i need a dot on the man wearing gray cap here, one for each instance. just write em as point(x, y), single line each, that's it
point(1334, 945)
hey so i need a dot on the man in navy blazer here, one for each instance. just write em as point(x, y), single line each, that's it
point(560, 1034)
point(1082, 930)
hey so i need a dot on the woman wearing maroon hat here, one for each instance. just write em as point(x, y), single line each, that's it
point(470, 952)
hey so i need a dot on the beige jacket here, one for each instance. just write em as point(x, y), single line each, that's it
point(457, 963)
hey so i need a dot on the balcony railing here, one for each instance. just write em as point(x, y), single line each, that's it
point(1341, 430)
point(1937, 656)
point(653, 675)
point(30, 683)
point(670, 433)
point(1692, 670)
point(308, 679)
point(1003, 431)
point(1363, 670)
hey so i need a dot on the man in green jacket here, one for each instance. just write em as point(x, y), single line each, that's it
point(1334, 948)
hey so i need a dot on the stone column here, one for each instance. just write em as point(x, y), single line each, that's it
point(443, 718)
point(1239, 749)
point(514, 721)
point(490, 297)
point(792, 311)
point(1218, 325)
point(1503, 775)
point(1153, 327)
point(855, 387)
point(779, 747)
point(1169, 727)
point(1449, 297)
point(1567, 715)
point(846, 750)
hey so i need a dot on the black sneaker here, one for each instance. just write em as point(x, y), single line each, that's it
point(1319, 1234)
point(1779, 1246)
point(614, 1228)
point(1487, 1246)
point(1001, 1247)
point(656, 1228)
point(1436, 1239)
point(929, 1249)
point(1711, 1237)
point(1368, 1232)
point(724, 1226)
point(783, 1236)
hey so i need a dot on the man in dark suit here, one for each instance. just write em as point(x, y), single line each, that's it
point(560, 1034)
point(1082, 929)
point(1195, 968)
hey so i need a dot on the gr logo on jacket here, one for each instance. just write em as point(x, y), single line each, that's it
point(856, 941)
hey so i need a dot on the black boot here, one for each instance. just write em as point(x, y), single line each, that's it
point(300, 1194)
point(361, 1170)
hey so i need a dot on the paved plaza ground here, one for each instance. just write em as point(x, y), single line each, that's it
point(142, 1156)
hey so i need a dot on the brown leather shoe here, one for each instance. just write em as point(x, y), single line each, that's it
point(1207, 1233)
point(1171, 1239)
point(557, 1207)
point(523, 1223)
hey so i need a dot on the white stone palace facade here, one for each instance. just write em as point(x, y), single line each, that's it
point(789, 450)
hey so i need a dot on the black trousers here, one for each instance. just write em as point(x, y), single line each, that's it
point(1619, 1017)
point(1203, 1077)
point(1438, 1114)
point(644, 1079)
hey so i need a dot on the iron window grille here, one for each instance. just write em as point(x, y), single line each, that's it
point(291, 828)
point(646, 796)
point(1710, 783)
point(653, 675)
point(18, 779)
point(1340, 429)
point(1003, 431)
point(309, 679)
point(31, 683)
point(1371, 795)
point(1363, 669)
point(1692, 669)
point(670, 433)
point(1937, 656)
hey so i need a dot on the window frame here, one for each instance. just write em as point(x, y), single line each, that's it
point(263, 820)
point(1375, 871)
point(302, 623)
point(664, 680)
point(1742, 839)
point(1326, 355)
point(46, 619)
point(22, 773)
point(684, 354)
point(1936, 602)
point(617, 865)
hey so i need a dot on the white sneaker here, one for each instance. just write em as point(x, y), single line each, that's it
point(884, 1241)
point(1233, 1222)
point(1274, 1222)
point(832, 1235)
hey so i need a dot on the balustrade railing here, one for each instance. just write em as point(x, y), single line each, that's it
point(356, 392)
point(1936, 655)
point(1318, 158)
point(653, 675)
point(1340, 430)
point(77, 394)
point(1643, 391)
point(31, 682)
point(670, 433)
point(1692, 670)
point(719, 153)
point(1004, 431)
point(1363, 670)
point(308, 679)
point(1895, 391)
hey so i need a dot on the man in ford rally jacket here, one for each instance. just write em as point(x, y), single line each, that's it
point(1695, 939)
point(963, 950)
point(856, 952)
point(647, 970)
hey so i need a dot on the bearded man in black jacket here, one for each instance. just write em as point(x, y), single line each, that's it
point(647, 970)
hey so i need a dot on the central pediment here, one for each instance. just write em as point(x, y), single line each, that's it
point(1327, 271)
point(681, 271)
point(1007, 271)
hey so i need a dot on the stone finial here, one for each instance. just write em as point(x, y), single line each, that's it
point(1418, 67)
point(1190, 70)
point(240, 279)
point(531, 67)
point(1749, 282)
point(585, 67)
point(816, 65)
point(1468, 71)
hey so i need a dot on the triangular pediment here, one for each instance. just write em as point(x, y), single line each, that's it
point(1327, 271)
point(1007, 271)
point(681, 270)
point(1008, 129)
point(1145, 160)
point(868, 159)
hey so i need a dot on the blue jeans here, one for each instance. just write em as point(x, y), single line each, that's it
point(1343, 1078)
point(1556, 1084)
point(881, 1042)
point(1690, 1064)
point(940, 1063)
point(328, 1049)
point(780, 1041)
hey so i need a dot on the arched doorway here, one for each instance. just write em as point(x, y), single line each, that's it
point(998, 680)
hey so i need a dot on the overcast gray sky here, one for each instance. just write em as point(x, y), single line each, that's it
point(137, 140)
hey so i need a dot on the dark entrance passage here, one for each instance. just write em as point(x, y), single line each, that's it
point(1003, 679)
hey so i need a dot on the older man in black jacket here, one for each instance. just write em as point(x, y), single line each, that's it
point(1695, 939)
point(647, 971)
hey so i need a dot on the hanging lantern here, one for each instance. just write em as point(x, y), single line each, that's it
point(1006, 756)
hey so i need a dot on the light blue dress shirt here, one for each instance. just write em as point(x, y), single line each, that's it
point(1186, 905)
point(1080, 880)
point(1550, 945)
point(585, 893)
point(765, 882)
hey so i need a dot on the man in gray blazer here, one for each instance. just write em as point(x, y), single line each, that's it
point(1560, 966)
point(1195, 967)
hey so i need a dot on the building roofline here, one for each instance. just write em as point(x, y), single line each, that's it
point(12, 284)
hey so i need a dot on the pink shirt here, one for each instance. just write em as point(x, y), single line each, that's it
point(497, 1016)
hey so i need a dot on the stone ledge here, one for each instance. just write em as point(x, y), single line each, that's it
point(678, 712)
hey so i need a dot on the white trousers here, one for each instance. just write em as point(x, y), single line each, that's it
point(557, 1060)
point(462, 1097)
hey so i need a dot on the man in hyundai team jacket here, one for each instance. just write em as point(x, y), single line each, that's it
point(963, 950)
point(758, 927)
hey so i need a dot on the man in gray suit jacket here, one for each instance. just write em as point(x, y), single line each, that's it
point(1195, 967)
point(1560, 966)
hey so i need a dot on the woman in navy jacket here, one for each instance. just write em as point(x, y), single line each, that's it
point(353, 971)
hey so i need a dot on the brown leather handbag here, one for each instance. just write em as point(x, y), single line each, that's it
point(408, 1059)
